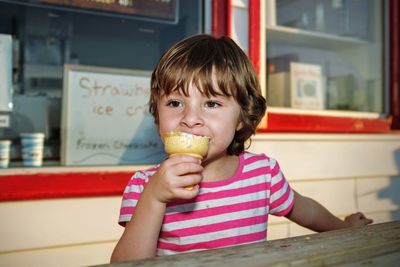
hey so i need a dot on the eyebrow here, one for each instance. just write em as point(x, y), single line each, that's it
point(210, 96)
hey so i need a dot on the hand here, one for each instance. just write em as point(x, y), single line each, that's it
point(357, 219)
point(173, 175)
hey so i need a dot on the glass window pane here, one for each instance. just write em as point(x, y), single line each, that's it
point(46, 36)
point(325, 55)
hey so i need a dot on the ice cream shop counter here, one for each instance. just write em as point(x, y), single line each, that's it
point(372, 245)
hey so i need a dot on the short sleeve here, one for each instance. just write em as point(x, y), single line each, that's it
point(131, 196)
point(281, 194)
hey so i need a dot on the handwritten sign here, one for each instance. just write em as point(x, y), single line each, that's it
point(105, 118)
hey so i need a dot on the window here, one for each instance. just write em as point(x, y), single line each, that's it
point(327, 65)
point(47, 36)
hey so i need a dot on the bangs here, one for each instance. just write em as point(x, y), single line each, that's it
point(201, 79)
point(202, 66)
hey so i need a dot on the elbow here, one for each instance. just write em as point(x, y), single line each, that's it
point(115, 258)
point(118, 256)
point(303, 212)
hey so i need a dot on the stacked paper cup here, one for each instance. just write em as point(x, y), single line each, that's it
point(4, 153)
point(32, 149)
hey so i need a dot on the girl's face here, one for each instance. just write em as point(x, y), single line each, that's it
point(216, 117)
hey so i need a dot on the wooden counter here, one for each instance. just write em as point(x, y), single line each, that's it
point(372, 245)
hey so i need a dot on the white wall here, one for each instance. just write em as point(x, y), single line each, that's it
point(60, 232)
point(345, 173)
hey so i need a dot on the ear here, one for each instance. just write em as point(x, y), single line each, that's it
point(239, 125)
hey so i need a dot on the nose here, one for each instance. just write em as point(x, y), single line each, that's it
point(192, 117)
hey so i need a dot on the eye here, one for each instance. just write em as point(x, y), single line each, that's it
point(173, 103)
point(212, 104)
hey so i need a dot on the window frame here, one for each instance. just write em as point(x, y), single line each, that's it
point(282, 122)
point(57, 182)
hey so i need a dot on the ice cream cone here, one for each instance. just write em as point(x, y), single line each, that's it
point(178, 143)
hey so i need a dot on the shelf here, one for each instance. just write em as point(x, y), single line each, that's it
point(281, 34)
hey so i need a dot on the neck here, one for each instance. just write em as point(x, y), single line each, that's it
point(220, 168)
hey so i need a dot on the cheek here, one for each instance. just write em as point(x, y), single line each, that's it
point(163, 126)
point(162, 120)
point(166, 124)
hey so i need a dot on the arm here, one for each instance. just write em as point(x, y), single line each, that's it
point(312, 215)
point(140, 237)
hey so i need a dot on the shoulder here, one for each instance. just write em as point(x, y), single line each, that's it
point(142, 176)
point(147, 172)
point(258, 159)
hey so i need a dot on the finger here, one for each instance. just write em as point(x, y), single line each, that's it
point(358, 215)
point(187, 168)
point(190, 180)
point(184, 193)
point(173, 161)
point(184, 158)
point(368, 221)
point(363, 218)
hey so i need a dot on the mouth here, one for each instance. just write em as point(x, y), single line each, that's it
point(176, 142)
point(185, 133)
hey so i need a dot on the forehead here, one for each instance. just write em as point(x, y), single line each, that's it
point(206, 85)
point(192, 88)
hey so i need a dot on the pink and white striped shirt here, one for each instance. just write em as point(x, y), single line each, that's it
point(230, 212)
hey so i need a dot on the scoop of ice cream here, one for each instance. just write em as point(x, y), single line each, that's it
point(184, 143)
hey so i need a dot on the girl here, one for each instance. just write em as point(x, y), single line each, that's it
point(206, 86)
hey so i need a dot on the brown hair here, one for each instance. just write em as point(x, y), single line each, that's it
point(197, 60)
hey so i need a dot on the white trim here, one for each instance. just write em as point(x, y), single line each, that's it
point(325, 137)
point(326, 113)
point(207, 17)
point(240, 3)
point(386, 56)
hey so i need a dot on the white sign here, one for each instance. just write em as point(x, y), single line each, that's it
point(306, 86)
point(105, 118)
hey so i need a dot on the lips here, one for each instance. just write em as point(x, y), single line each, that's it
point(191, 133)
